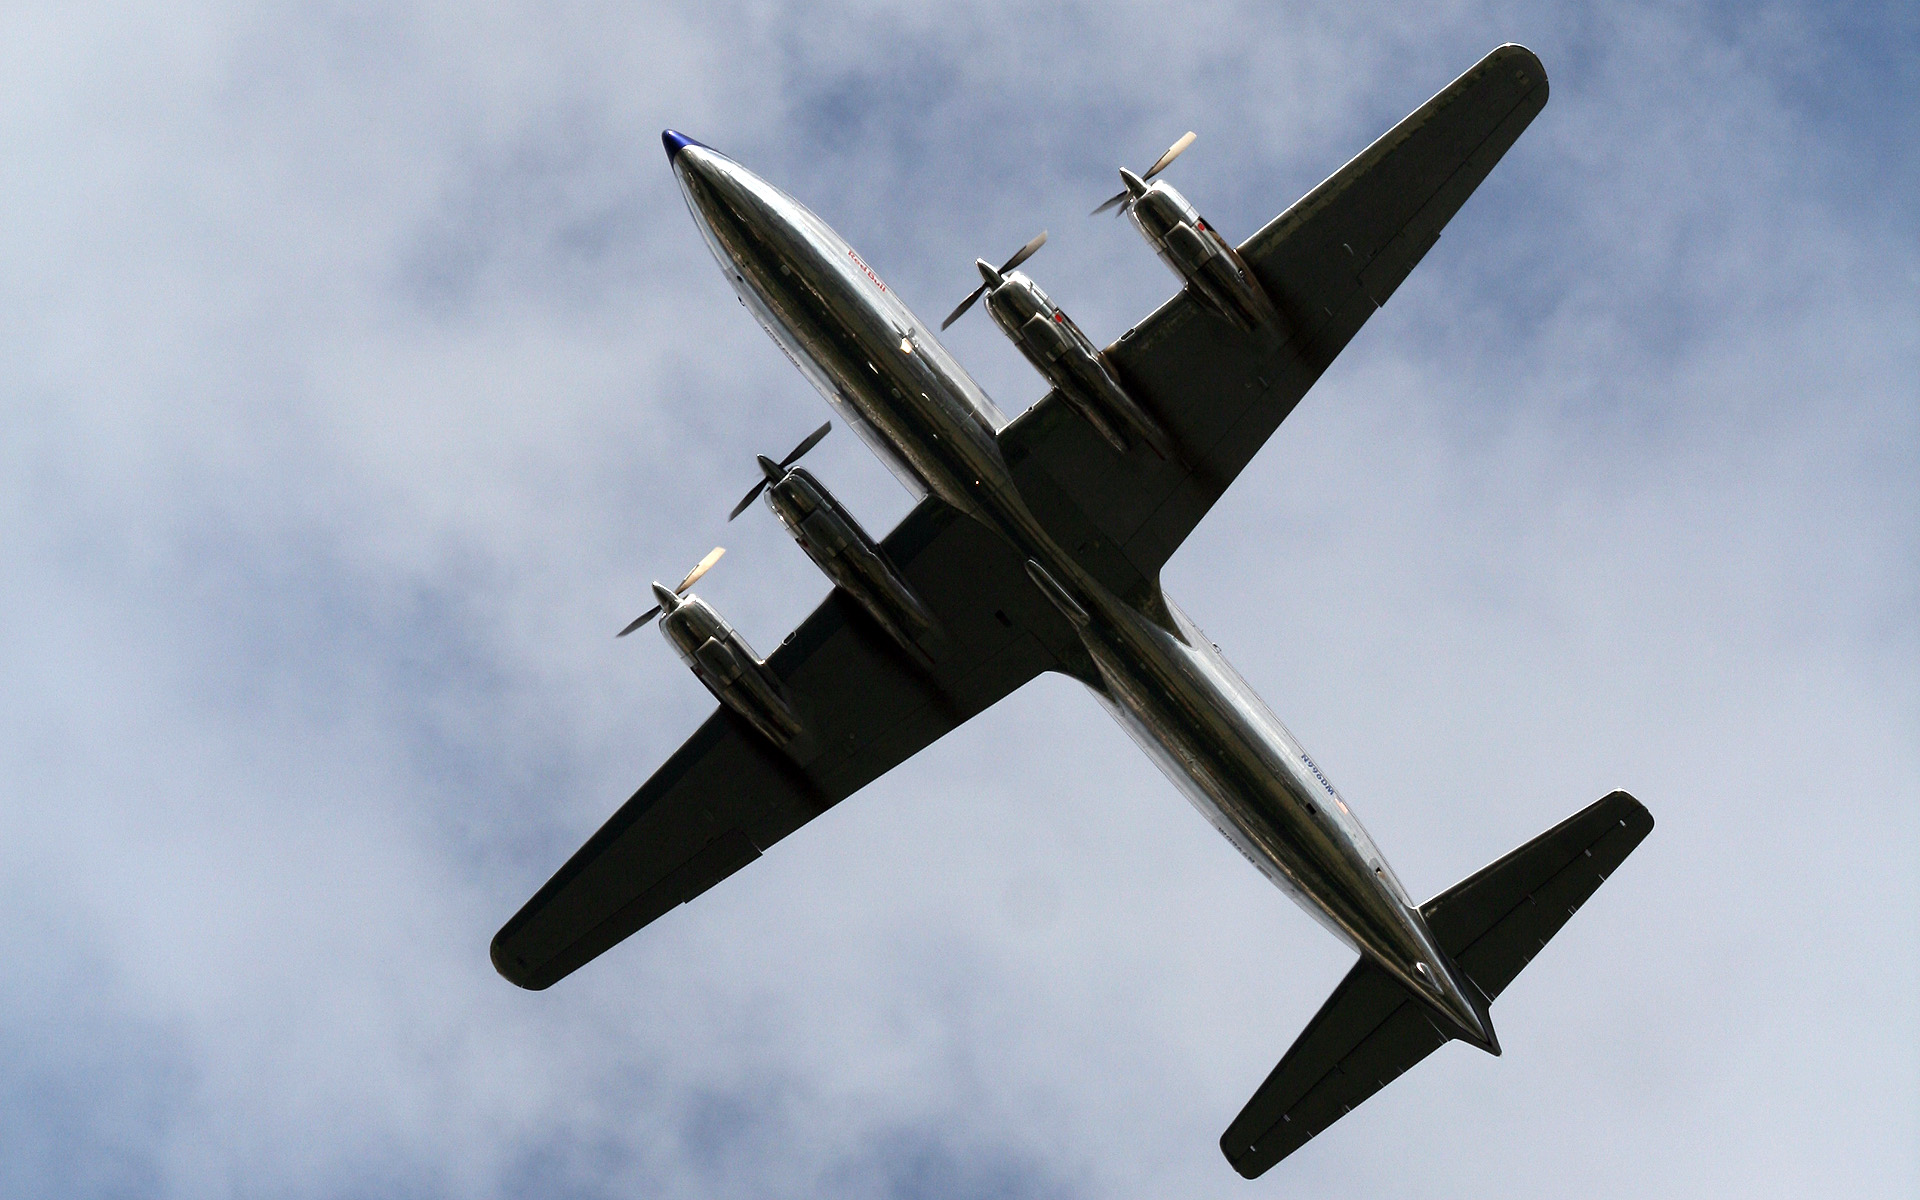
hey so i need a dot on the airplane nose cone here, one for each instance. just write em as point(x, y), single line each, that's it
point(675, 142)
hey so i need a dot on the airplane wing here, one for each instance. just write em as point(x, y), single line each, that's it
point(728, 794)
point(1328, 262)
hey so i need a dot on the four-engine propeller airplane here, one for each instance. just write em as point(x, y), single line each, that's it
point(1037, 546)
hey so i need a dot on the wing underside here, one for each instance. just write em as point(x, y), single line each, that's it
point(1328, 262)
point(728, 794)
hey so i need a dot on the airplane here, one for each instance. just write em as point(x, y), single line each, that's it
point(1037, 544)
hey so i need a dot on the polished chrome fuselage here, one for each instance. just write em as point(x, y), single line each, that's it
point(885, 372)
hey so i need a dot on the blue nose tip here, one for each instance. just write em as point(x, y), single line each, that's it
point(675, 142)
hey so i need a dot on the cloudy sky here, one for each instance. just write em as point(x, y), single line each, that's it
point(360, 365)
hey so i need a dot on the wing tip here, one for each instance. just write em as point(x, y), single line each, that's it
point(1242, 1153)
point(1247, 1168)
point(1628, 810)
point(513, 969)
point(1252, 1158)
point(1521, 59)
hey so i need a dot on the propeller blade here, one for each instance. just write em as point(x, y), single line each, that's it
point(1025, 252)
point(693, 577)
point(640, 620)
point(808, 443)
point(753, 493)
point(966, 304)
point(1117, 198)
point(1174, 151)
point(772, 469)
point(700, 568)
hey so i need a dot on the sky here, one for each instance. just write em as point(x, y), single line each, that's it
point(360, 366)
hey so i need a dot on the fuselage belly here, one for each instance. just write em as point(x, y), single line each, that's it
point(883, 370)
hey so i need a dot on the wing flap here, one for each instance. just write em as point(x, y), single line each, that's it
point(1370, 1030)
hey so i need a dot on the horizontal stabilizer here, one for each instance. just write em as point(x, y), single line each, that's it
point(1371, 1029)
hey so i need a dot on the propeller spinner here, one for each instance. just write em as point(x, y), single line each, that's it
point(772, 471)
point(1137, 184)
point(991, 278)
point(672, 597)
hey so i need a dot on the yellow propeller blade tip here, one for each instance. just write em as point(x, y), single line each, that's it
point(704, 565)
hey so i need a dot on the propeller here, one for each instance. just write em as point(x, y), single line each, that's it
point(1134, 182)
point(991, 277)
point(772, 471)
point(693, 577)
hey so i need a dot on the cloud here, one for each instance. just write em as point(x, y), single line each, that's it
point(362, 366)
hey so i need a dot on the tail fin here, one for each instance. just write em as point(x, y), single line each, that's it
point(1370, 1030)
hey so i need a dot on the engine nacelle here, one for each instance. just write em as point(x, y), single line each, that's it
point(1199, 255)
point(737, 677)
point(1068, 358)
point(856, 564)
